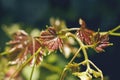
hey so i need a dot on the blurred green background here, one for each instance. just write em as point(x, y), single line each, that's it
point(103, 14)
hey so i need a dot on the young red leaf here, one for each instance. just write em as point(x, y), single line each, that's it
point(50, 39)
point(22, 45)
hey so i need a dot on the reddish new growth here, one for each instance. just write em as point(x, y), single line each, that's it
point(89, 37)
point(101, 41)
point(20, 40)
point(50, 39)
point(22, 45)
point(19, 46)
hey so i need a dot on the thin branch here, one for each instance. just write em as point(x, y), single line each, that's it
point(71, 29)
point(33, 69)
point(33, 41)
point(86, 57)
point(115, 29)
point(83, 62)
point(63, 74)
point(114, 34)
point(75, 55)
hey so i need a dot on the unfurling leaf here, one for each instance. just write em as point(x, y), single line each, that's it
point(101, 41)
point(85, 34)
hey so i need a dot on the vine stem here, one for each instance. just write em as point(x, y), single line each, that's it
point(75, 55)
point(71, 29)
point(24, 64)
point(62, 75)
point(33, 41)
point(110, 33)
point(114, 34)
point(115, 29)
point(86, 57)
point(33, 69)
point(82, 46)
